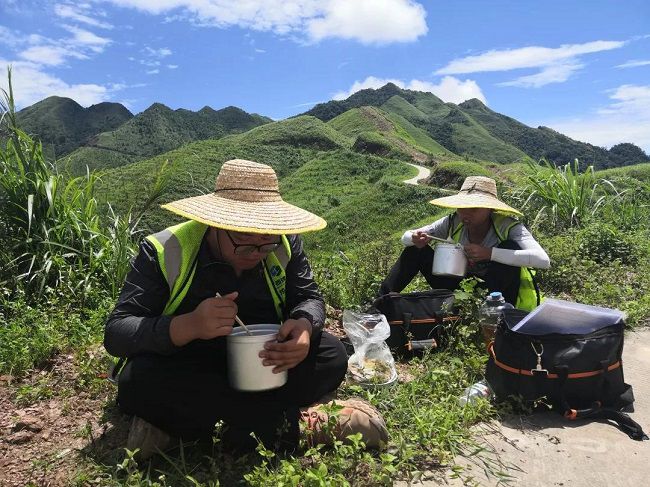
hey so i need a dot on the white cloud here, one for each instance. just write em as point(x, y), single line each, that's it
point(153, 71)
point(449, 89)
point(36, 53)
point(366, 21)
point(7, 37)
point(172, 66)
point(42, 50)
point(81, 13)
point(32, 84)
point(159, 53)
point(556, 65)
point(634, 64)
point(625, 119)
point(554, 73)
point(87, 39)
point(370, 21)
point(50, 55)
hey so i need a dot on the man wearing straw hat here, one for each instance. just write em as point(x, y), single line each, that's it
point(499, 248)
point(238, 257)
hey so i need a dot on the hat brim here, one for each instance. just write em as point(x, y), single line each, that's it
point(268, 217)
point(474, 201)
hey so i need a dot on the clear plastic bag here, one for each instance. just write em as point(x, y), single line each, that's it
point(371, 363)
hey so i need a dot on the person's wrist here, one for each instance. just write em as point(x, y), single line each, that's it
point(306, 324)
point(183, 329)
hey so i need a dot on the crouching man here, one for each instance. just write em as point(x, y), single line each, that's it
point(238, 254)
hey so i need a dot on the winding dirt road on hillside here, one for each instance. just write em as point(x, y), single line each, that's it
point(423, 173)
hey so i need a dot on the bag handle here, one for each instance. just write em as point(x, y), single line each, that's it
point(596, 411)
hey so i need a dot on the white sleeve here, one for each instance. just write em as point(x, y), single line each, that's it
point(530, 255)
point(439, 229)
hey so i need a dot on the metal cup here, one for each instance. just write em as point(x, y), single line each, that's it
point(245, 369)
point(449, 260)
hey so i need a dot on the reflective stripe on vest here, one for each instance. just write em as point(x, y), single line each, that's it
point(528, 296)
point(177, 248)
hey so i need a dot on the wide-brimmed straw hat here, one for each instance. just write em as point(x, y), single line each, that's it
point(476, 192)
point(247, 199)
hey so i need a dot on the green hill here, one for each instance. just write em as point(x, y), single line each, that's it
point(157, 130)
point(63, 125)
point(473, 130)
point(304, 131)
point(546, 143)
point(384, 134)
point(444, 123)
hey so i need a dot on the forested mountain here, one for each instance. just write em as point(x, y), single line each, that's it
point(472, 129)
point(156, 130)
point(63, 125)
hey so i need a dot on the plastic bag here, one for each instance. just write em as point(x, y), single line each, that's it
point(371, 363)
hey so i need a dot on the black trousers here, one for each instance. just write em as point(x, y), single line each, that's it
point(497, 276)
point(185, 394)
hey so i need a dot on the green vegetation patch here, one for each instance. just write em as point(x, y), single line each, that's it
point(304, 131)
point(452, 174)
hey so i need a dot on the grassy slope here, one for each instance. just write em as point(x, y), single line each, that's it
point(362, 197)
point(450, 127)
point(637, 171)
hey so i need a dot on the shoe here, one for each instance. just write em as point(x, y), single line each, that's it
point(354, 416)
point(147, 438)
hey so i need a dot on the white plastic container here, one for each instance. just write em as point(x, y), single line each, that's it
point(490, 311)
point(449, 260)
point(475, 391)
point(245, 369)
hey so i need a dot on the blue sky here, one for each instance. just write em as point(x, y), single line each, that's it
point(580, 67)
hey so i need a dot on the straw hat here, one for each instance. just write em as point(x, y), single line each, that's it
point(247, 199)
point(476, 192)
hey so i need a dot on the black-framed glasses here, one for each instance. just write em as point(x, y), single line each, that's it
point(247, 249)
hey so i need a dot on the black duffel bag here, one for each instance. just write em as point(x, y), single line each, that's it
point(579, 375)
point(417, 320)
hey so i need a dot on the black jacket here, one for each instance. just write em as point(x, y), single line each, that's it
point(136, 325)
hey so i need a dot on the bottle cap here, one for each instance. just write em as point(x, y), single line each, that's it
point(495, 296)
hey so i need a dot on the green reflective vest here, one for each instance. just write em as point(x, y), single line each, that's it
point(529, 295)
point(178, 248)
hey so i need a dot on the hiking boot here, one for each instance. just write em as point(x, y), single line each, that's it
point(147, 438)
point(355, 416)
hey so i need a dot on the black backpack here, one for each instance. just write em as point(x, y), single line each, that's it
point(417, 320)
point(580, 375)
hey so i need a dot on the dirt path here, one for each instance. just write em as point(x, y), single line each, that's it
point(423, 173)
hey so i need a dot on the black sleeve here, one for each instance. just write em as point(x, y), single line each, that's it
point(304, 300)
point(136, 325)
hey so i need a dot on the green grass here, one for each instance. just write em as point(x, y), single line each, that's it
point(417, 137)
point(399, 106)
point(304, 131)
point(639, 172)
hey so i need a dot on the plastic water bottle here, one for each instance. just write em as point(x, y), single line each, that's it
point(473, 392)
point(489, 313)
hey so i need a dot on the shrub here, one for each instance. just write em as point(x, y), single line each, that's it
point(51, 231)
point(452, 174)
point(564, 195)
point(603, 243)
